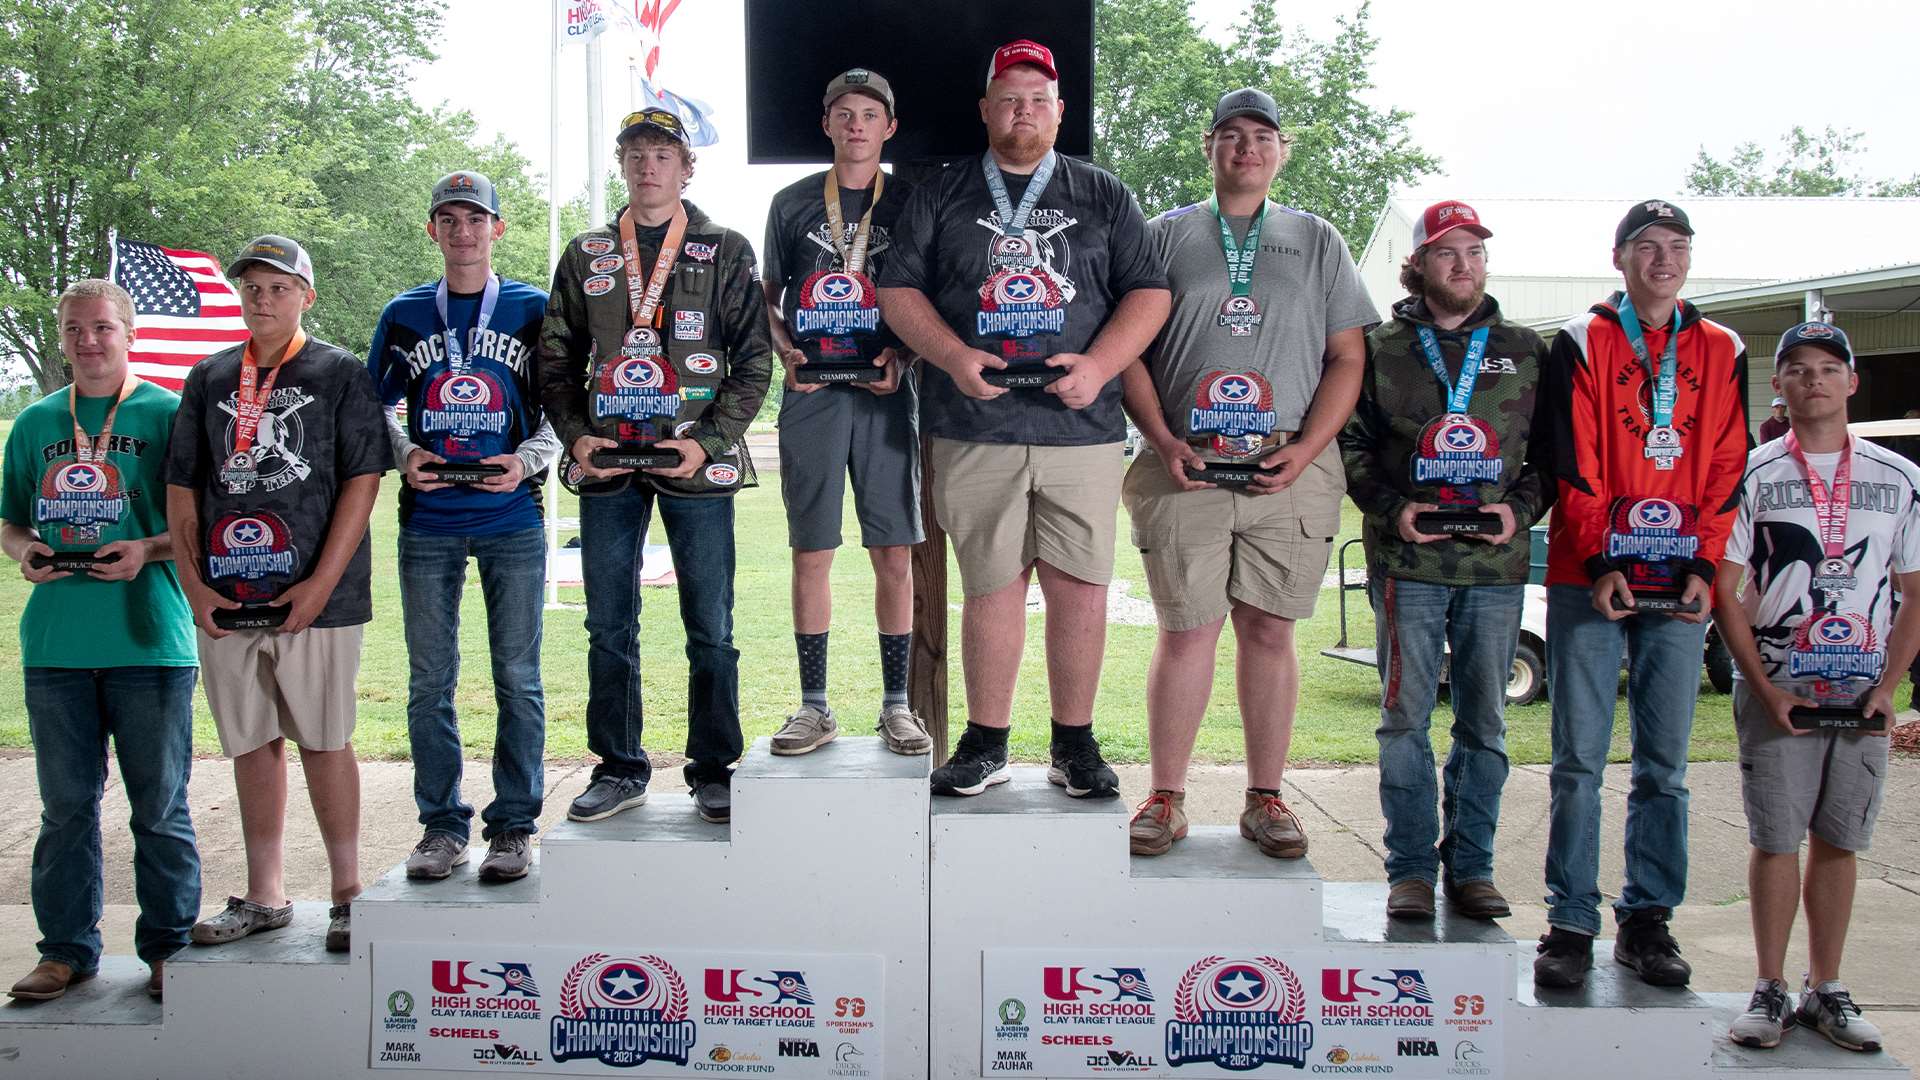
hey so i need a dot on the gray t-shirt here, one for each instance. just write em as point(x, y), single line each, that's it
point(1307, 289)
point(323, 425)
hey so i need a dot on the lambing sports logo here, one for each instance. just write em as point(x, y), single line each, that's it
point(462, 405)
point(249, 549)
point(836, 303)
point(623, 1011)
point(1651, 530)
point(1458, 449)
point(1239, 1015)
point(1020, 303)
point(637, 386)
point(80, 493)
point(1835, 645)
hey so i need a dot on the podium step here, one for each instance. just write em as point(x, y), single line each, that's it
point(303, 943)
point(1613, 1024)
point(462, 905)
point(1801, 1054)
point(116, 996)
point(1356, 911)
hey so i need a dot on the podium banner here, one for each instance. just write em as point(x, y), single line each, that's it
point(1354, 1010)
point(626, 1011)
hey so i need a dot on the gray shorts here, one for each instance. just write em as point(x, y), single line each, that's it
point(1826, 782)
point(839, 433)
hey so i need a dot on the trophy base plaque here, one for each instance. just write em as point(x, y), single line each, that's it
point(72, 562)
point(636, 458)
point(1456, 523)
point(463, 472)
point(1024, 377)
point(1834, 718)
point(258, 617)
point(1648, 601)
point(1228, 474)
point(815, 371)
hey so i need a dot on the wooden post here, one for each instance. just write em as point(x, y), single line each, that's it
point(927, 683)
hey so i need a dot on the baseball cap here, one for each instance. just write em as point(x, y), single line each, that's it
point(860, 81)
point(1645, 215)
point(466, 187)
point(1777, 402)
point(1022, 52)
point(1817, 334)
point(1442, 218)
point(658, 120)
point(275, 253)
point(1245, 102)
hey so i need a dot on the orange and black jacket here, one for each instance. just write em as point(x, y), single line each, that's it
point(1597, 407)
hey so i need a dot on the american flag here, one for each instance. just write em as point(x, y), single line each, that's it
point(183, 309)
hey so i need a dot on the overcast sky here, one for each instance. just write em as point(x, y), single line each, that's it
point(1517, 97)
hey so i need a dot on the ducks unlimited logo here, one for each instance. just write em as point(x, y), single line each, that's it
point(1239, 1015)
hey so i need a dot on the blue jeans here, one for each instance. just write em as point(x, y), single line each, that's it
point(149, 713)
point(613, 530)
point(433, 576)
point(1414, 622)
point(1583, 678)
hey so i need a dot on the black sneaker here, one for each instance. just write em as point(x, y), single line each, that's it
point(713, 801)
point(1565, 958)
point(973, 768)
point(1645, 945)
point(1078, 767)
point(607, 796)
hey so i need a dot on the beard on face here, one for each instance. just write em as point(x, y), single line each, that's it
point(1455, 299)
point(1019, 145)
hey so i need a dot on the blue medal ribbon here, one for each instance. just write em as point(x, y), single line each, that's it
point(456, 351)
point(1014, 222)
point(1666, 376)
point(1460, 393)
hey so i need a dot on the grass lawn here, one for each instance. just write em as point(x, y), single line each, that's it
point(1338, 707)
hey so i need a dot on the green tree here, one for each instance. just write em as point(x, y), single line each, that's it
point(1809, 164)
point(1156, 78)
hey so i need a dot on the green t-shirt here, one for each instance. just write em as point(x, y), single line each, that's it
point(78, 621)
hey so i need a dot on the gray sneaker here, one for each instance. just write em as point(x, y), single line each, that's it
point(1769, 1014)
point(607, 796)
point(435, 856)
point(508, 857)
point(240, 918)
point(1829, 1010)
point(807, 730)
point(340, 927)
point(903, 731)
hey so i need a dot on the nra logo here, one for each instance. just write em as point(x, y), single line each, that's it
point(799, 1048)
point(1418, 1048)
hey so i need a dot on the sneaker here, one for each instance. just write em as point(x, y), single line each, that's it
point(435, 856)
point(340, 927)
point(1476, 899)
point(238, 919)
point(1829, 1010)
point(1078, 767)
point(1565, 957)
point(508, 857)
point(1267, 822)
point(713, 801)
point(903, 731)
point(607, 796)
point(973, 768)
point(1158, 822)
point(807, 730)
point(1769, 1014)
point(1646, 945)
point(1410, 899)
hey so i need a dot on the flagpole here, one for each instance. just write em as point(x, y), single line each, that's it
point(552, 492)
point(596, 143)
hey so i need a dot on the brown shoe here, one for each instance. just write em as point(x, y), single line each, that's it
point(1158, 822)
point(48, 980)
point(1267, 822)
point(154, 984)
point(1477, 899)
point(1410, 899)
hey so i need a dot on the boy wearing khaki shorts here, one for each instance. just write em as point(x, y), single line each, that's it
point(1236, 501)
point(275, 459)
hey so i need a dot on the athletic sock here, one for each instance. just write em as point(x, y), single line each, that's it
point(813, 669)
point(1068, 735)
point(990, 737)
point(896, 650)
point(1271, 793)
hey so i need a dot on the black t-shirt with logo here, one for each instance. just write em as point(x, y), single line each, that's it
point(322, 426)
point(799, 240)
point(1087, 243)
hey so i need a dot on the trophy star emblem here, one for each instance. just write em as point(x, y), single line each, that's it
point(1020, 289)
point(1239, 988)
point(837, 288)
point(247, 533)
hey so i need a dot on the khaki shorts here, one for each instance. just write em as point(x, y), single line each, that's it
point(1829, 783)
point(1205, 549)
point(1006, 505)
point(262, 685)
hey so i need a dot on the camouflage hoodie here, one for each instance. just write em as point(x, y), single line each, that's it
point(1398, 399)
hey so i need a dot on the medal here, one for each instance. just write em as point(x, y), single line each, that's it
point(641, 341)
point(1458, 450)
point(241, 470)
point(1240, 314)
point(637, 382)
point(1020, 297)
point(1663, 440)
point(1833, 576)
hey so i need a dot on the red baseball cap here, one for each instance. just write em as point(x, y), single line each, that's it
point(1442, 218)
point(1022, 52)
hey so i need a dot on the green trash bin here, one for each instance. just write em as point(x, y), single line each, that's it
point(1537, 556)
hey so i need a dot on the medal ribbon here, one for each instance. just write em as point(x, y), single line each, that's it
point(1829, 504)
point(1458, 393)
point(644, 301)
point(1014, 222)
point(1239, 259)
point(86, 450)
point(1666, 376)
point(852, 259)
point(456, 352)
point(251, 400)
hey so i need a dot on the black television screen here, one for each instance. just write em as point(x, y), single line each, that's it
point(933, 52)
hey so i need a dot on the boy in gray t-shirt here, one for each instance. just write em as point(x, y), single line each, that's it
point(1236, 500)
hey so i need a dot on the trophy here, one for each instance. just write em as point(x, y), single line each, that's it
point(836, 324)
point(1459, 452)
point(1021, 300)
point(639, 394)
point(72, 562)
point(462, 472)
point(1836, 656)
point(1651, 537)
point(1233, 417)
point(250, 557)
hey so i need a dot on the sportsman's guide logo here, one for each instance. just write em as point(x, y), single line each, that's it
point(464, 405)
point(1651, 530)
point(1835, 645)
point(1456, 450)
point(249, 549)
point(623, 1011)
point(836, 303)
point(81, 494)
point(637, 386)
point(1236, 408)
point(1239, 1015)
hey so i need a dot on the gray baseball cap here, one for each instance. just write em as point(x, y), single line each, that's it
point(468, 187)
point(275, 253)
point(860, 81)
point(1247, 101)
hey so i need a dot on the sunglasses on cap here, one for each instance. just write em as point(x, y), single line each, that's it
point(659, 118)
